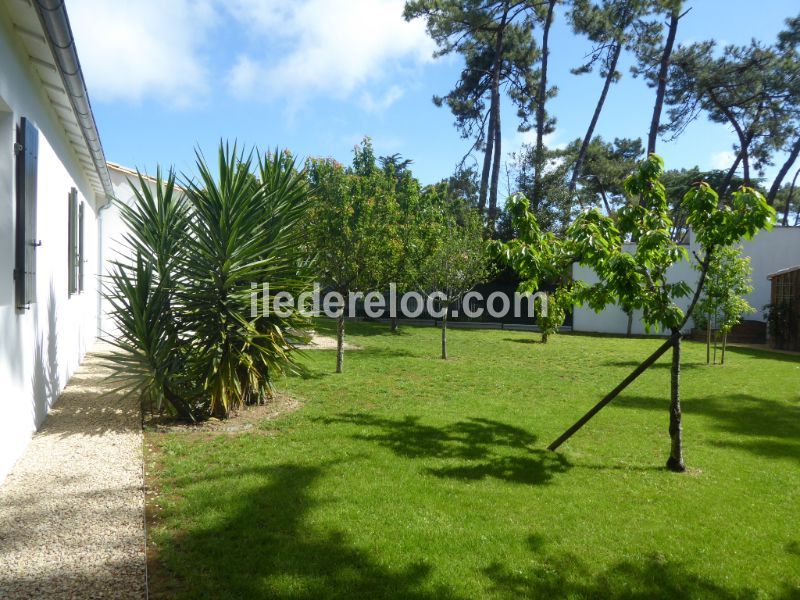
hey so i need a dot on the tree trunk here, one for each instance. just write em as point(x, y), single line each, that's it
point(394, 324)
point(776, 185)
point(785, 221)
point(724, 345)
point(675, 462)
point(716, 335)
point(544, 336)
point(573, 182)
point(708, 341)
point(663, 72)
point(340, 342)
point(541, 113)
point(726, 183)
point(498, 157)
point(494, 108)
point(629, 330)
point(444, 336)
point(487, 163)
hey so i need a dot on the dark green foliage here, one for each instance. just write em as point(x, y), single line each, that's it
point(187, 338)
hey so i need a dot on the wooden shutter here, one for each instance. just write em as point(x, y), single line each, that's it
point(81, 258)
point(72, 241)
point(26, 240)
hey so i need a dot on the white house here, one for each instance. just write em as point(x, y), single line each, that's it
point(54, 183)
point(769, 251)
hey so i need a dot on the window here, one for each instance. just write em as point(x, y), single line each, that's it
point(26, 242)
point(75, 243)
point(81, 259)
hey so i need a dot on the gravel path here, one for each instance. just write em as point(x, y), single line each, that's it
point(71, 511)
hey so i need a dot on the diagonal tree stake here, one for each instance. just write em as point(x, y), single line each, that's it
point(615, 392)
point(676, 335)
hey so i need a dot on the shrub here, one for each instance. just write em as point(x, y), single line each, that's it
point(186, 340)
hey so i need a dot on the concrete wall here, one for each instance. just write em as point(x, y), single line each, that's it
point(40, 347)
point(769, 251)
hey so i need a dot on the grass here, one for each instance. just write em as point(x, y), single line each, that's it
point(412, 477)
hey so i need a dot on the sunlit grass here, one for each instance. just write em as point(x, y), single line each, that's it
point(412, 477)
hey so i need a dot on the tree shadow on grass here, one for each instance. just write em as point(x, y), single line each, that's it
point(262, 546)
point(666, 365)
point(764, 354)
point(473, 449)
point(771, 428)
point(526, 341)
point(568, 576)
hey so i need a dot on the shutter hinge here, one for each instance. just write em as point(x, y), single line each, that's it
point(18, 147)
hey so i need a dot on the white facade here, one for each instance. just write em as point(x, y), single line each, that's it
point(41, 346)
point(769, 251)
point(113, 230)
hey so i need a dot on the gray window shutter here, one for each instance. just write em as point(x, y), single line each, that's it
point(72, 241)
point(26, 240)
point(81, 258)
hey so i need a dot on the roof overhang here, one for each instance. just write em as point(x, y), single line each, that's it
point(783, 272)
point(46, 35)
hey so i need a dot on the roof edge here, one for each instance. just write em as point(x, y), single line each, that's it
point(55, 22)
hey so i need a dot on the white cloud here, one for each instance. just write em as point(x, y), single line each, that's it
point(327, 47)
point(722, 160)
point(143, 49)
point(376, 105)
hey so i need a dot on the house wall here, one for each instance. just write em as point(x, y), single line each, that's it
point(112, 233)
point(769, 251)
point(40, 347)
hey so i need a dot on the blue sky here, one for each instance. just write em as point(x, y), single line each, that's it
point(315, 76)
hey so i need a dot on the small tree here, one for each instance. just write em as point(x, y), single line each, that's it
point(727, 282)
point(538, 257)
point(639, 279)
point(346, 228)
point(457, 263)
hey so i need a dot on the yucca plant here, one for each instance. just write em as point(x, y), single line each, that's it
point(187, 337)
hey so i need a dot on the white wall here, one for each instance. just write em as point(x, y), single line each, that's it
point(40, 347)
point(769, 251)
point(112, 232)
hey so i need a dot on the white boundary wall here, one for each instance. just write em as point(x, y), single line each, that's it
point(41, 347)
point(769, 251)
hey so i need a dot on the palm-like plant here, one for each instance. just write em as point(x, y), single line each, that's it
point(183, 310)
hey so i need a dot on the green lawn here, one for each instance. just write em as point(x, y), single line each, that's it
point(412, 477)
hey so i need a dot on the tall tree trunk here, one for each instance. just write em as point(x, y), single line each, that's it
point(495, 166)
point(663, 72)
point(541, 113)
point(726, 183)
point(776, 185)
point(785, 221)
point(444, 336)
point(340, 342)
point(573, 182)
point(494, 108)
point(675, 462)
point(487, 163)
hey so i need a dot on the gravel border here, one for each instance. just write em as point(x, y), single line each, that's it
point(72, 508)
